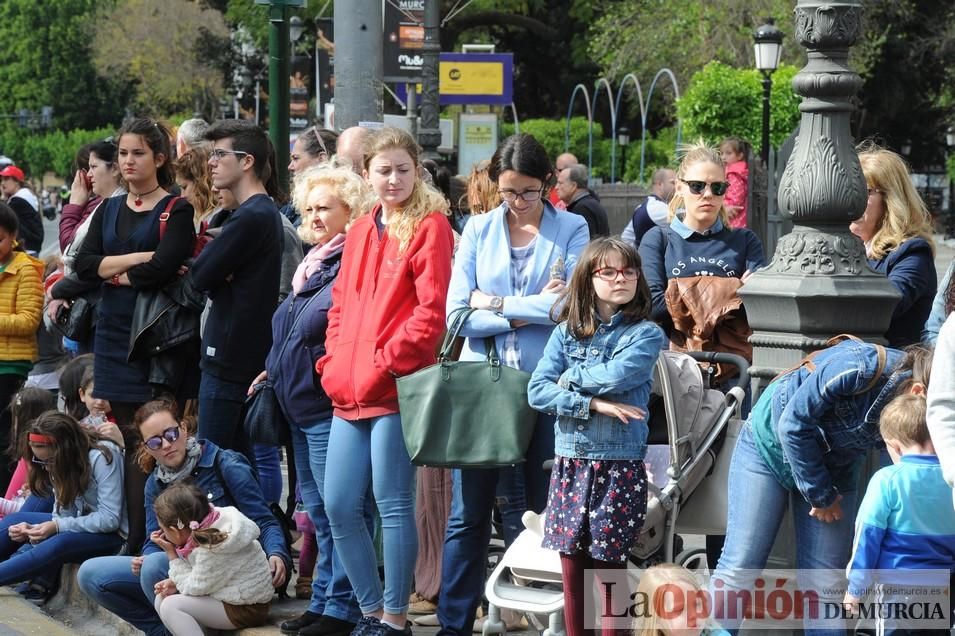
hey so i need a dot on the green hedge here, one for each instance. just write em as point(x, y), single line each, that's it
point(53, 151)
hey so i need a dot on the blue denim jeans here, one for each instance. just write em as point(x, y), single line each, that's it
point(220, 414)
point(332, 593)
point(372, 453)
point(22, 561)
point(474, 490)
point(268, 465)
point(758, 506)
point(110, 582)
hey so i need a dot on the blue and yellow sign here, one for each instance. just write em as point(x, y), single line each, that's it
point(474, 78)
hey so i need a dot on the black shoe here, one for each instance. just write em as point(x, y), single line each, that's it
point(388, 630)
point(39, 594)
point(294, 625)
point(367, 626)
point(328, 626)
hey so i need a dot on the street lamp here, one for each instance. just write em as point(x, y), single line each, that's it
point(768, 44)
point(295, 28)
point(623, 140)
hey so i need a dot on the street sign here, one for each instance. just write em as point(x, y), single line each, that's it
point(473, 78)
point(478, 139)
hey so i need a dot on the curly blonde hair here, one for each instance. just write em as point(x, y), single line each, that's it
point(194, 166)
point(424, 198)
point(351, 189)
point(690, 155)
point(904, 213)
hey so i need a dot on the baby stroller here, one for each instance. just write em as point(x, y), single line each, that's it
point(693, 430)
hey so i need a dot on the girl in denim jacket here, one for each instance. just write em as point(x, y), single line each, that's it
point(596, 375)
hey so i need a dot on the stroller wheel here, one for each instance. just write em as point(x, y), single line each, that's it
point(693, 560)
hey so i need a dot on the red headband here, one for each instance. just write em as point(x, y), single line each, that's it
point(40, 439)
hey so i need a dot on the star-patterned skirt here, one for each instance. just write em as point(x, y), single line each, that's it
point(598, 505)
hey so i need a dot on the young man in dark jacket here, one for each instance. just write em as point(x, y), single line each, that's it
point(240, 272)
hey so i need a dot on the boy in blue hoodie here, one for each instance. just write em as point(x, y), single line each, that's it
point(906, 520)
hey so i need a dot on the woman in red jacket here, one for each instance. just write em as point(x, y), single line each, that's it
point(385, 321)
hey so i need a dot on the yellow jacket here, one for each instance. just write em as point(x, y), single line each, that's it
point(21, 307)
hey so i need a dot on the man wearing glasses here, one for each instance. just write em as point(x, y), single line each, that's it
point(239, 271)
point(573, 191)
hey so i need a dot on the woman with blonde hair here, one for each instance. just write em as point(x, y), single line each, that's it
point(386, 318)
point(897, 233)
point(329, 198)
point(193, 179)
point(663, 590)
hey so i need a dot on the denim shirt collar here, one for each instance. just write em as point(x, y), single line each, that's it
point(886, 393)
point(685, 231)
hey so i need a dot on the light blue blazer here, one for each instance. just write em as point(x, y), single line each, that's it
point(483, 261)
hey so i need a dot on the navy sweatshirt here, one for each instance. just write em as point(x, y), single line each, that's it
point(679, 252)
point(240, 271)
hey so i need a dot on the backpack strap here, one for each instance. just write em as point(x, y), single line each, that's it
point(164, 215)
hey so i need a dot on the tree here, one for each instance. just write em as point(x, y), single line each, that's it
point(722, 101)
point(45, 59)
point(156, 46)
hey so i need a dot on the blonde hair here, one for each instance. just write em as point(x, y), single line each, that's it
point(904, 420)
point(653, 583)
point(482, 194)
point(424, 198)
point(351, 189)
point(690, 155)
point(905, 214)
point(194, 166)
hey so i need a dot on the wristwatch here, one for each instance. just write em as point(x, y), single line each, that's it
point(497, 303)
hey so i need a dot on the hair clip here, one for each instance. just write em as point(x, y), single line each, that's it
point(179, 524)
point(193, 525)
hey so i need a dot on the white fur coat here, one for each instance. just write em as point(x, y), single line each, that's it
point(236, 571)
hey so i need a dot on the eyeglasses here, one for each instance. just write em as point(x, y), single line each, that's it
point(718, 188)
point(171, 434)
point(609, 274)
point(216, 155)
point(872, 191)
point(528, 195)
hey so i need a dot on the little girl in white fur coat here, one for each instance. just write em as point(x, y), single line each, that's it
point(219, 576)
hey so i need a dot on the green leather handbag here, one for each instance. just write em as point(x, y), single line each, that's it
point(471, 414)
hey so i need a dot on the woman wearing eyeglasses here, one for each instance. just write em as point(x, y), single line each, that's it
point(126, 585)
point(84, 473)
point(897, 232)
point(510, 265)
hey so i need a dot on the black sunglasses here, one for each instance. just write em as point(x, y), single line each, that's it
point(718, 188)
point(171, 434)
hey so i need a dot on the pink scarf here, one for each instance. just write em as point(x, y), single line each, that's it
point(190, 545)
point(313, 261)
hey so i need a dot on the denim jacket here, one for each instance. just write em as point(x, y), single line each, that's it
point(242, 491)
point(825, 421)
point(615, 364)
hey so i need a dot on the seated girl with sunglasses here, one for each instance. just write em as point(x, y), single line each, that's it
point(126, 585)
point(84, 473)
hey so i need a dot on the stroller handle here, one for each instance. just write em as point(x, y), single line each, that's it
point(715, 357)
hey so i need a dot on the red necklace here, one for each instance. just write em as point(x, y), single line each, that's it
point(139, 197)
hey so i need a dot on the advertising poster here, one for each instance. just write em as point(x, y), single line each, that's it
point(300, 89)
point(478, 139)
point(404, 40)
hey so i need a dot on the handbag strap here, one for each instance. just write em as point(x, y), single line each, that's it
point(458, 317)
point(164, 216)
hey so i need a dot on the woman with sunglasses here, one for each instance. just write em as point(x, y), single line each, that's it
point(680, 261)
point(510, 265)
point(84, 473)
point(126, 585)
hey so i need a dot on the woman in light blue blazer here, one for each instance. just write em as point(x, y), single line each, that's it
point(509, 265)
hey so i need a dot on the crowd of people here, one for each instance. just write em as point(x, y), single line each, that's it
point(187, 282)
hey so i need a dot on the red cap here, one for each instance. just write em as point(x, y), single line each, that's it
point(13, 171)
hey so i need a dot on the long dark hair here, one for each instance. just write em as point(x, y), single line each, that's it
point(155, 135)
point(71, 379)
point(182, 503)
point(11, 223)
point(524, 154)
point(577, 303)
point(68, 473)
point(26, 405)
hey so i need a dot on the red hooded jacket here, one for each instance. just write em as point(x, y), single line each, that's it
point(387, 314)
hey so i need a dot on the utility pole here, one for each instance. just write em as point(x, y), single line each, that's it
point(430, 134)
point(358, 62)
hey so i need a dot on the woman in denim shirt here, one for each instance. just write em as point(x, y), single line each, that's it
point(596, 375)
point(509, 266)
point(803, 447)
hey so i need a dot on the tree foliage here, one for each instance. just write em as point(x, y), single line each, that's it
point(723, 101)
point(164, 63)
point(45, 59)
point(53, 151)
